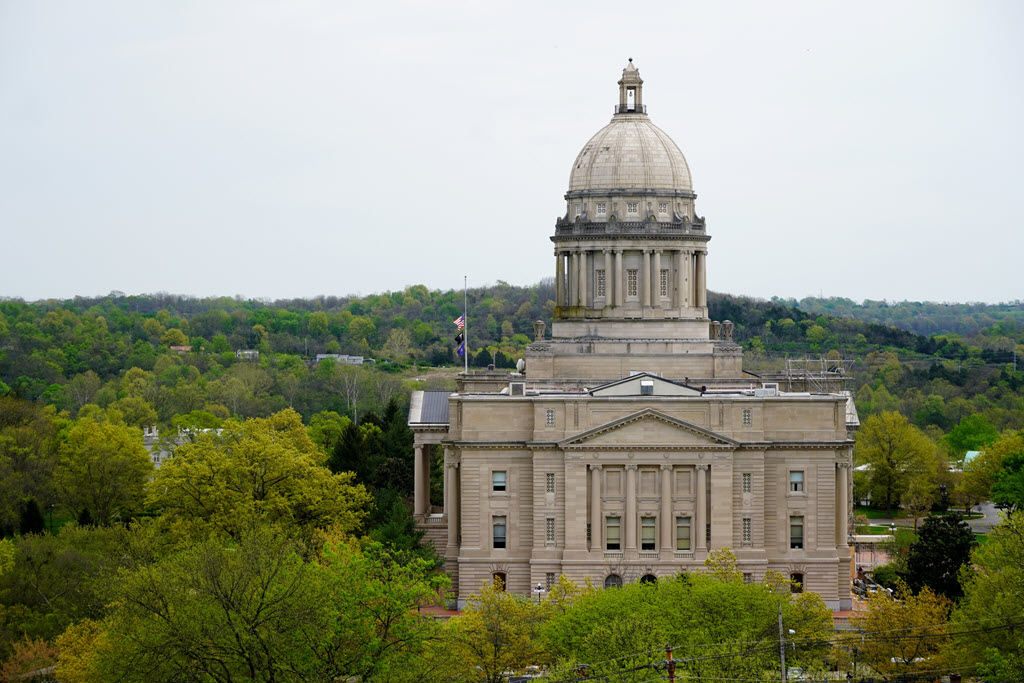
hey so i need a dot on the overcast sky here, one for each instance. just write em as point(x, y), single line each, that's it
point(282, 149)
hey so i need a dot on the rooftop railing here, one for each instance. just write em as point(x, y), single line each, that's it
point(630, 109)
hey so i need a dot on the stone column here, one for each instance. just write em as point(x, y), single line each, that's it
point(451, 494)
point(701, 278)
point(572, 282)
point(584, 294)
point(419, 492)
point(842, 504)
point(678, 281)
point(559, 279)
point(667, 537)
point(608, 277)
point(425, 456)
point(687, 278)
point(721, 505)
point(645, 284)
point(620, 297)
point(656, 280)
point(596, 520)
point(700, 512)
point(630, 521)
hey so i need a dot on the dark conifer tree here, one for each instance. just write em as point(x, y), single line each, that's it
point(31, 521)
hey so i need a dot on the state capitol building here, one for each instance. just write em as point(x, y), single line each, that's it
point(633, 443)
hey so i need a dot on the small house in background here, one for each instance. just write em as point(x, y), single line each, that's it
point(247, 354)
point(344, 359)
point(181, 349)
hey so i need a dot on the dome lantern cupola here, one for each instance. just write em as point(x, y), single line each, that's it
point(631, 88)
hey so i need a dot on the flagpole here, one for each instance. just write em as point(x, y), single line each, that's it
point(465, 321)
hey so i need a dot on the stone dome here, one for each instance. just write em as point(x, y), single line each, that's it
point(630, 153)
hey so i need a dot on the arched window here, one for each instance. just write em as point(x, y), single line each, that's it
point(500, 580)
point(613, 581)
point(648, 578)
point(796, 582)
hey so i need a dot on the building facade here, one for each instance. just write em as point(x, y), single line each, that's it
point(633, 443)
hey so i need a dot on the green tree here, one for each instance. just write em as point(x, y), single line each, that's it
point(973, 433)
point(264, 470)
point(1008, 489)
point(317, 325)
point(898, 453)
point(102, 466)
point(31, 518)
point(994, 598)
point(942, 548)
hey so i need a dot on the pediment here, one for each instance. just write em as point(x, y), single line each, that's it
point(649, 428)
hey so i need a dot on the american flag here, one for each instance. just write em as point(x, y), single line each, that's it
point(460, 322)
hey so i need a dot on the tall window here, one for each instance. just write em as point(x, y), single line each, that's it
point(600, 283)
point(499, 532)
point(748, 578)
point(796, 533)
point(746, 482)
point(796, 582)
point(549, 417)
point(632, 207)
point(747, 420)
point(500, 580)
point(746, 531)
point(498, 481)
point(682, 533)
point(613, 528)
point(579, 209)
point(664, 282)
point(549, 482)
point(549, 580)
point(631, 282)
point(647, 531)
point(549, 530)
point(796, 481)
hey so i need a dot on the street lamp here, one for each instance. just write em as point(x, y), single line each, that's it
point(539, 590)
point(51, 518)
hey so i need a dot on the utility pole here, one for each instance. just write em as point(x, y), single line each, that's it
point(671, 664)
point(782, 647)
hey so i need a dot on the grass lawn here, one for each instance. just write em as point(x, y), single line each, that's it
point(872, 513)
point(872, 530)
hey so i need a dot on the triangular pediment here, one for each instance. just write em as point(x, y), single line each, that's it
point(649, 428)
point(644, 384)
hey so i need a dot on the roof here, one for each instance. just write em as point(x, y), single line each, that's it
point(630, 153)
point(632, 386)
point(429, 407)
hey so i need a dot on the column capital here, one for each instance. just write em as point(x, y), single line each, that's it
point(617, 251)
point(452, 465)
point(631, 467)
point(648, 251)
point(666, 466)
point(843, 465)
point(595, 468)
point(703, 466)
point(658, 251)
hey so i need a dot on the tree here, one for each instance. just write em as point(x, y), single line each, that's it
point(103, 467)
point(898, 453)
point(903, 633)
point(264, 470)
point(31, 518)
point(396, 348)
point(973, 433)
point(979, 475)
point(1008, 489)
point(994, 598)
point(942, 548)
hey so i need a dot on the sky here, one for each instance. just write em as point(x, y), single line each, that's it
point(867, 150)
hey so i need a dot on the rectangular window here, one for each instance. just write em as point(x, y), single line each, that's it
point(613, 541)
point(589, 537)
point(663, 283)
point(631, 207)
point(499, 532)
point(682, 210)
point(497, 481)
point(796, 481)
point(631, 282)
point(579, 209)
point(549, 530)
point(746, 531)
point(549, 580)
point(748, 578)
point(682, 533)
point(746, 482)
point(663, 207)
point(647, 531)
point(550, 482)
point(796, 532)
point(601, 208)
point(549, 417)
point(600, 283)
point(747, 420)
point(647, 387)
point(707, 533)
